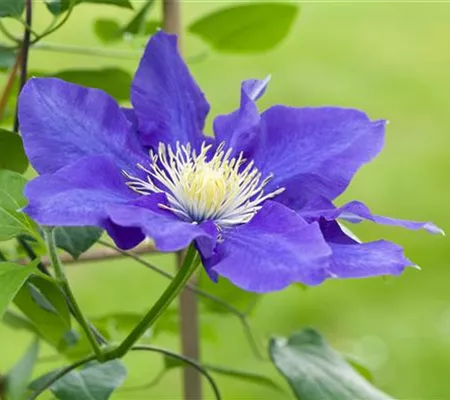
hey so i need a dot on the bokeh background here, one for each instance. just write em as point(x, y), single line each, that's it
point(391, 60)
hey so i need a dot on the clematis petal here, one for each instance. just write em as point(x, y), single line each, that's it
point(168, 103)
point(62, 122)
point(238, 129)
point(360, 260)
point(168, 231)
point(314, 152)
point(276, 248)
point(356, 211)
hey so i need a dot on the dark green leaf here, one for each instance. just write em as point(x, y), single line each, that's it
point(238, 298)
point(57, 7)
point(137, 24)
point(12, 277)
point(107, 30)
point(77, 240)
point(12, 154)
point(246, 28)
point(16, 321)
point(114, 81)
point(13, 222)
point(7, 58)
point(11, 8)
point(52, 324)
point(18, 378)
point(315, 371)
point(94, 382)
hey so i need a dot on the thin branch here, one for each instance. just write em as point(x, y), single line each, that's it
point(24, 58)
point(9, 84)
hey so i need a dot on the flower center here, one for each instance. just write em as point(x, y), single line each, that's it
point(201, 186)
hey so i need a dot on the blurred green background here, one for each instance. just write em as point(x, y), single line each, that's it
point(389, 59)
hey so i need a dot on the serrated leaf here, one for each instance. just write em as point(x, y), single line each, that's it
point(12, 153)
point(13, 222)
point(315, 371)
point(18, 378)
point(7, 58)
point(11, 8)
point(52, 325)
point(113, 81)
point(229, 293)
point(12, 277)
point(249, 28)
point(76, 240)
point(94, 382)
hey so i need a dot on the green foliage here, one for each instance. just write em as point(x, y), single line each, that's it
point(107, 30)
point(114, 81)
point(57, 7)
point(11, 8)
point(7, 58)
point(137, 23)
point(316, 371)
point(18, 378)
point(76, 240)
point(16, 321)
point(248, 28)
point(44, 304)
point(12, 154)
point(12, 277)
point(94, 381)
point(242, 300)
point(13, 222)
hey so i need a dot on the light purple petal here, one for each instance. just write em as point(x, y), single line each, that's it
point(361, 260)
point(62, 122)
point(168, 231)
point(356, 211)
point(77, 195)
point(238, 129)
point(314, 152)
point(168, 103)
point(276, 248)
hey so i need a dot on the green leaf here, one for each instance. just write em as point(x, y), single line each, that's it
point(94, 382)
point(114, 81)
point(118, 325)
point(359, 367)
point(7, 58)
point(53, 323)
point(107, 30)
point(315, 371)
point(137, 24)
point(11, 8)
point(17, 380)
point(225, 290)
point(16, 321)
point(57, 7)
point(12, 277)
point(13, 222)
point(78, 239)
point(249, 28)
point(12, 154)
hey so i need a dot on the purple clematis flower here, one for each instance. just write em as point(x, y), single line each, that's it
point(256, 200)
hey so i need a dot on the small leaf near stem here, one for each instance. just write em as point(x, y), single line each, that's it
point(191, 261)
point(62, 280)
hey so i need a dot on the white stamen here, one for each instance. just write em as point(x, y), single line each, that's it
point(199, 189)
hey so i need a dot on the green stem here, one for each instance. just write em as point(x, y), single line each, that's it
point(62, 280)
point(181, 278)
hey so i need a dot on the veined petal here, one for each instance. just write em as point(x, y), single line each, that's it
point(62, 122)
point(168, 103)
point(356, 211)
point(78, 194)
point(314, 152)
point(238, 129)
point(168, 231)
point(360, 260)
point(276, 248)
